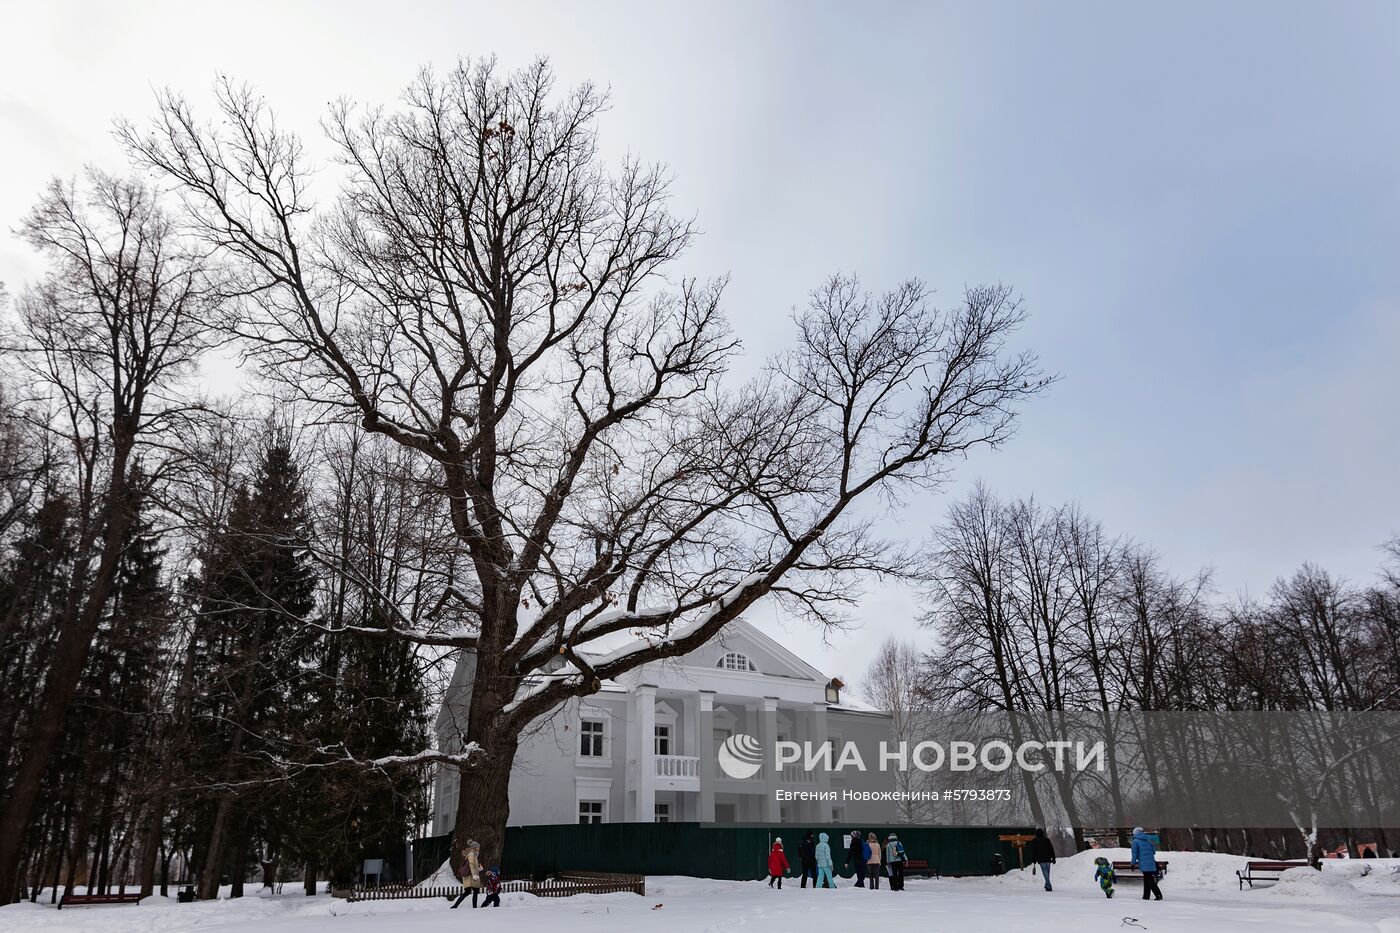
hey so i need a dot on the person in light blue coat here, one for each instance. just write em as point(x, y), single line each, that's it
point(1144, 852)
point(824, 862)
point(894, 862)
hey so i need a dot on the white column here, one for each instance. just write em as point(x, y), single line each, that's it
point(705, 750)
point(820, 734)
point(768, 738)
point(646, 753)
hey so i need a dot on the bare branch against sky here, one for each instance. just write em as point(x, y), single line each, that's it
point(1199, 209)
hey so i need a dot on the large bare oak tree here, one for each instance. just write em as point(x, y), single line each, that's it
point(484, 291)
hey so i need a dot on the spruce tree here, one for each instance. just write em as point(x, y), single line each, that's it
point(258, 594)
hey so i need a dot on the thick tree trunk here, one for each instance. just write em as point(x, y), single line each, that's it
point(483, 802)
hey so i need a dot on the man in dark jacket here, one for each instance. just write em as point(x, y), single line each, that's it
point(807, 854)
point(855, 856)
point(1042, 853)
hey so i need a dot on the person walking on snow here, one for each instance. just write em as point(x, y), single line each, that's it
point(1144, 853)
point(1103, 874)
point(855, 855)
point(895, 859)
point(469, 872)
point(872, 861)
point(807, 855)
point(493, 889)
point(777, 863)
point(1042, 853)
point(823, 854)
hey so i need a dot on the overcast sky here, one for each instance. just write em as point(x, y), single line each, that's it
point(1199, 206)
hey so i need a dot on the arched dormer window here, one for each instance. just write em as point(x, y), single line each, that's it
point(734, 661)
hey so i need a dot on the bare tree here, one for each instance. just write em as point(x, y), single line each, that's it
point(103, 339)
point(484, 293)
point(978, 661)
point(892, 684)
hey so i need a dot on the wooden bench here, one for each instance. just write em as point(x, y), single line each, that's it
point(1126, 869)
point(918, 866)
point(80, 900)
point(1265, 871)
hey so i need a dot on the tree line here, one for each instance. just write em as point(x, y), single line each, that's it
point(176, 648)
point(222, 678)
point(1037, 609)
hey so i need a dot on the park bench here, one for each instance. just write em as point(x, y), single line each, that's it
point(81, 900)
point(918, 866)
point(1126, 869)
point(1265, 871)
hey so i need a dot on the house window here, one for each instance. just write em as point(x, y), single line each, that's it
point(734, 661)
point(590, 811)
point(662, 741)
point(663, 813)
point(590, 738)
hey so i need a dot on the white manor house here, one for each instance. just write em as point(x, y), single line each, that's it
point(644, 747)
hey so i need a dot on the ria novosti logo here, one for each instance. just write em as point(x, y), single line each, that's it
point(740, 756)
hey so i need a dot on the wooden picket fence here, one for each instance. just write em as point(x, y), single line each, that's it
point(565, 883)
point(561, 884)
point(397, 892)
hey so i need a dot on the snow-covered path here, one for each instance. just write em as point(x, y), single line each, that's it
point(1201, 898)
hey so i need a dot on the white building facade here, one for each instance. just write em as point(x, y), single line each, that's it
point(644, 748)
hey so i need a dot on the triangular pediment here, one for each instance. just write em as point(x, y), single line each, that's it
point(770, 658)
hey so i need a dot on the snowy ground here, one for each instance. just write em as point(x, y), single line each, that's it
point(1201, 890)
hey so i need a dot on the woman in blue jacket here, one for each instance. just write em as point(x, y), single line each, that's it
point(1145, 860)
point(824, 862)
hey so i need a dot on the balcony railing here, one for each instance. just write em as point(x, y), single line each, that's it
point(677, 766)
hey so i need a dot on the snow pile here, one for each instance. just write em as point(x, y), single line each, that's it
point(1317, 886)
point(1341, 881)
point(442, 878)
point(1186, 871)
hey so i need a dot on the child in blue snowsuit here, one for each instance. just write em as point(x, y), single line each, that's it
point(1103, 874)
point(824, 862)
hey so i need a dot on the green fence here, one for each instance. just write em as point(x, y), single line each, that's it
point(705, 850)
